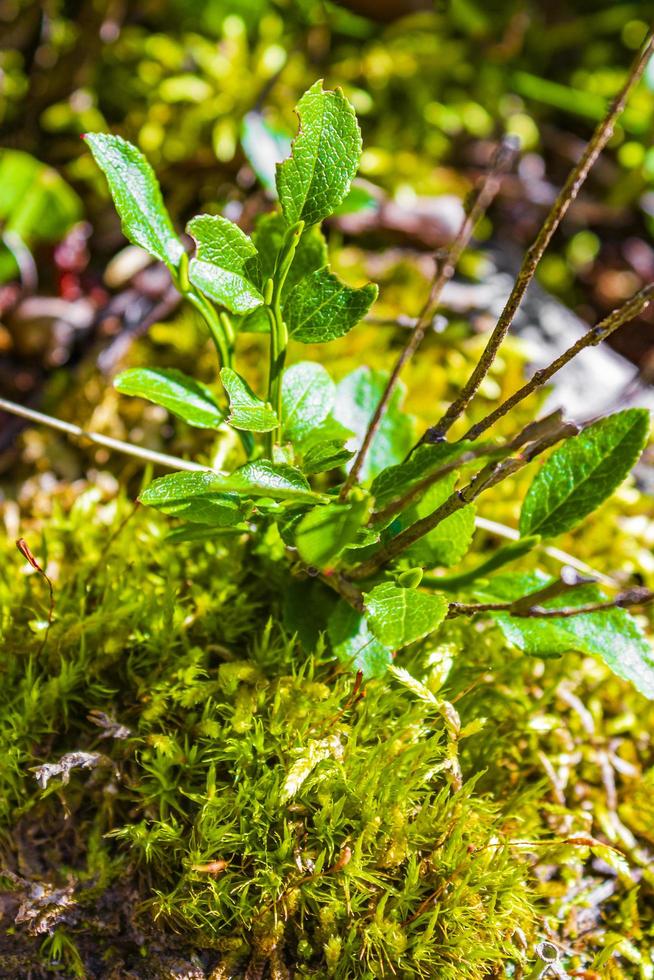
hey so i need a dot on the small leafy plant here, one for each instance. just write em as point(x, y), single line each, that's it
point(366, 518)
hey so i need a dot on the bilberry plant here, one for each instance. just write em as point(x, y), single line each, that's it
point(367, 516)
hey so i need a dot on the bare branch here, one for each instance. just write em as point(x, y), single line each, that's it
point(446, 266)
point(626, 600)
point(491, 474)
point(632, 308)
point(534, 254)
point(534, 432)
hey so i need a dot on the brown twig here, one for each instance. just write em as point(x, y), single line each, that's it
point(632, 308)
point(626, 600)
point(446, 267)
point(566, 196)
point(530, 433)
point(492, 474)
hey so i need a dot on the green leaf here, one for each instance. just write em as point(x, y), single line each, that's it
point(220, 267)
point(357, 397)
point(183, 396)
point(397, 481)
point(400, 616)
point(194, 497)
point(137, 197)
point(613, 635)
point(450, 540)
point(275, 480)
point(354, 644)
point(306, 605)
point(583, 472)
point(246, 411)
point(325, 157)
point(321, 307)
point(307, 399)
point(325, 456)
point(324, 532)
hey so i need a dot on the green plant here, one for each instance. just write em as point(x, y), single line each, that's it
point(359, 546)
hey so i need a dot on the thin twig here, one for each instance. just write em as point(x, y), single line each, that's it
point(446, 267)
point(117, 445)
point(492, 474)
point(626, 600)
point(530, 433)
point(623, 314)
point(534, 254)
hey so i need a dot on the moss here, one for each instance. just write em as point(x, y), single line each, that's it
point(265, 812)
point(258, 804)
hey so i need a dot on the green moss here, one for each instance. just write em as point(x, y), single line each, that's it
point(260, 809)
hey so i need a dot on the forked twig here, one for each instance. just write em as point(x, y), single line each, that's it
point(565, 198)
point(492, 474)
point(446, 267)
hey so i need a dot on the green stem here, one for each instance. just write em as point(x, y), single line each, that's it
point(278, 331)
point(503, 556)
point(220, 327)
point(216, 328)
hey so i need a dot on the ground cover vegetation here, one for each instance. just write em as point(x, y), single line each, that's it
point(303, 709)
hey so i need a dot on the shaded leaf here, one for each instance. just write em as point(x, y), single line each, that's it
point(306, 607)
point(310, 252)
point(325, 157)
point(324, 532)
point(357, 396)
point(400, 616)
point(190, 400)
point(325, 456)
point(321, 307)
point(583, 472)
point(354, 644)
point(137, 196)
point(450, 540)
point(219, 268)
point(195, 497)
point(246, 410)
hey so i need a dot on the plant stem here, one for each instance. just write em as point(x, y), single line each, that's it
point(117, 445)
point(446, 266)
point(215, 325)
point(632, 308)
point(562, 557)
point(503, 556)
point(278, 331)
point(221, 332)
point(534, 254)
point(492, 474)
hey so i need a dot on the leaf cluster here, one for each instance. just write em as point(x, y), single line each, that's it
point(406, 508)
